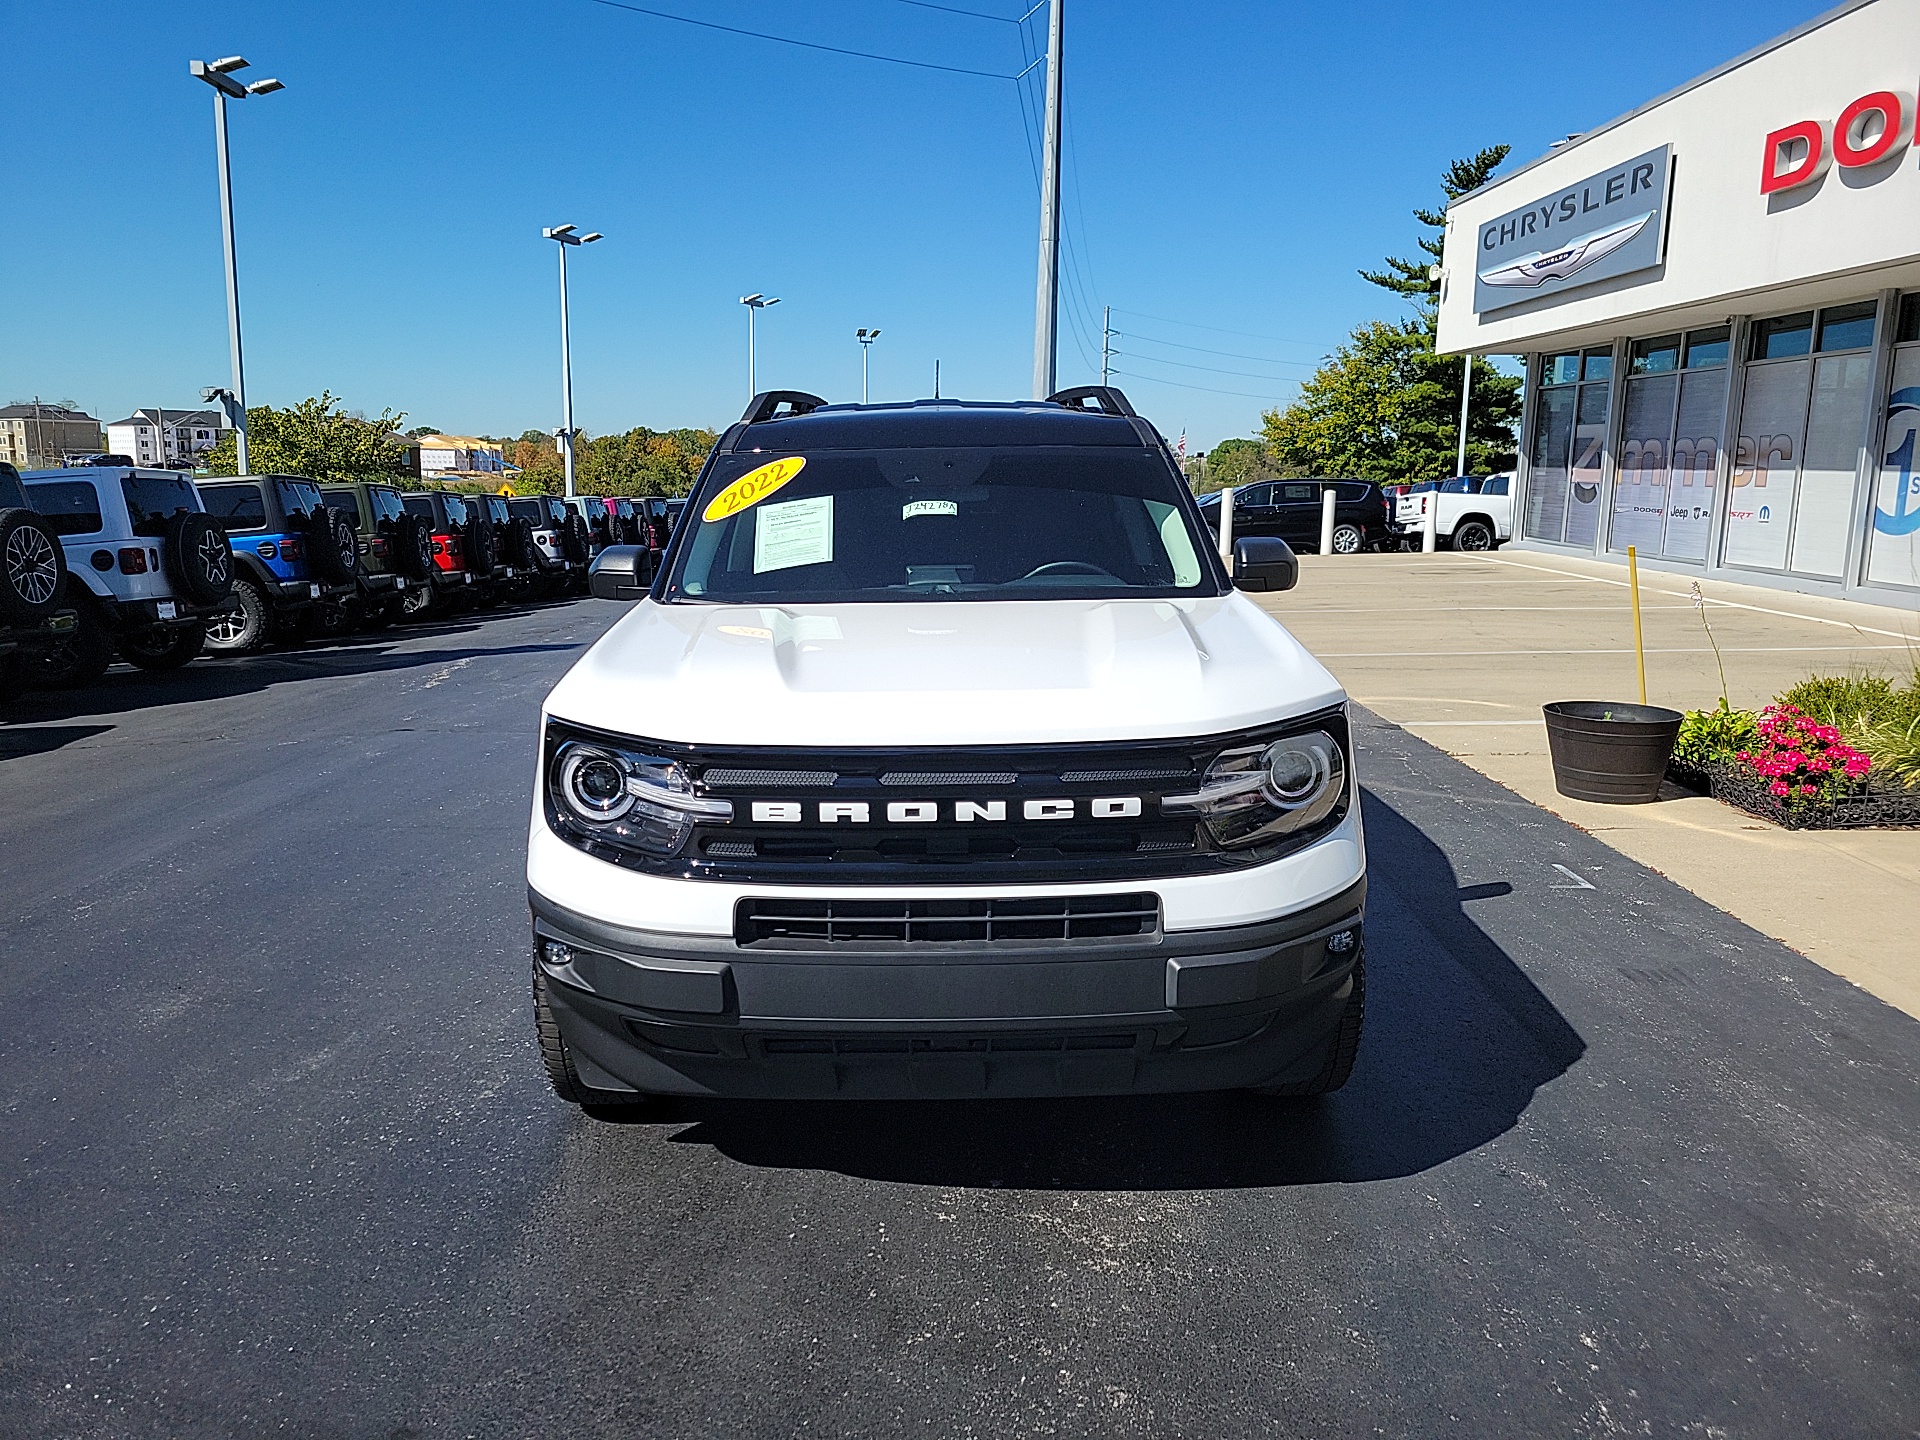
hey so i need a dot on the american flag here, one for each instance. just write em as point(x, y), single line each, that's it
point(1181, 448)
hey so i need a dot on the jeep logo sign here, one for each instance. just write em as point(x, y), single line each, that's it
point(1609, 224)
point(1876, 127)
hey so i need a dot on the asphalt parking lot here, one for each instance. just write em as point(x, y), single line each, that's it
point(279, 1156)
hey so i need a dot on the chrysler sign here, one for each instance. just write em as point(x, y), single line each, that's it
point(1609, 224)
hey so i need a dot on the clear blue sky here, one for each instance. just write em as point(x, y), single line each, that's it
point(1229, 165)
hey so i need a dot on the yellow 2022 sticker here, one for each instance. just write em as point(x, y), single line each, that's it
point(753, 487)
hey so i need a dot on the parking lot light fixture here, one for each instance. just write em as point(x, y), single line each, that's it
point(219, 75)
point(755, 303)
point(866, 339)
point(564, 237)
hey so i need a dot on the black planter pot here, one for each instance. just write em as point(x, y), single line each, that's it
point(1608, 751)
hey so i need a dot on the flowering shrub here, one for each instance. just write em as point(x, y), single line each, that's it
point(1803, 759)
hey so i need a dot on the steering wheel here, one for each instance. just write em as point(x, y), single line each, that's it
point(1069, 567)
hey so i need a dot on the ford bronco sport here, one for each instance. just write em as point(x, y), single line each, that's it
point(943, 757)
point(147, 568)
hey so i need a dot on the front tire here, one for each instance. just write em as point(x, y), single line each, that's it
point(566, 1081)
point(158, 649)
point(246, 625)
point(1346, 1043)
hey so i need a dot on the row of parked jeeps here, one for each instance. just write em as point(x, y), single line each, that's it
point(156, 567)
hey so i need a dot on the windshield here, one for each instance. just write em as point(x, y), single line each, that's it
point(153, 500)
point(940, 524)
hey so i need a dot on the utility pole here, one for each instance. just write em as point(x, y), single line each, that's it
point(1046, 320)
point(217, 73)
point(1106, 345)
point(1466, 389)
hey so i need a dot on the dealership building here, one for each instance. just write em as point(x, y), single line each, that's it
point(1717, 298)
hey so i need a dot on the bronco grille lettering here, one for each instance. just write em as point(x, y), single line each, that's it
point(927, 812)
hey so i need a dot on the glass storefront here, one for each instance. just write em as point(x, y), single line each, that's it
point(1803, 415)
point(1569, 439)
point(1893, 544)
point(1676, 399)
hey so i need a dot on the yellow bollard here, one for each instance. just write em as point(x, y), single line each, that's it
point(1639, 642)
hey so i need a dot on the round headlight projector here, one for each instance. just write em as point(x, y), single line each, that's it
point(1298, 768)
point(595, 784)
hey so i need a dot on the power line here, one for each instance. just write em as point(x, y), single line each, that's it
point(1269, 397)
point(954, 10)
point(1210, 369)
point(1202, 349)
point(805, 44)
point(1221, 330)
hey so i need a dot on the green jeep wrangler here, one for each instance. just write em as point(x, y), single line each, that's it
point(396, 555)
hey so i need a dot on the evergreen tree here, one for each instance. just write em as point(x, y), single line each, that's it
point(1411, 278)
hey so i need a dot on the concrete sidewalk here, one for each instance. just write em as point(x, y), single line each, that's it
point(1462, 650)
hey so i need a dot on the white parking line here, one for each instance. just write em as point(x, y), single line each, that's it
point(1651, 650)
point(1578, 882)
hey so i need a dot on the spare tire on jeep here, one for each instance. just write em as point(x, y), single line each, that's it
point(33, 568)
point(332, 546)
point(198, 558)
point(410, 542)
point(483, 546)
point(522, 552)
point(575, 539)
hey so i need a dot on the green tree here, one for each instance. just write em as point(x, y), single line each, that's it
point(317, 438)
point(1413, 278)
point(1238, 461)
point(1385, 407)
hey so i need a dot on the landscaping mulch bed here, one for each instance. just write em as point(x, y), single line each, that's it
point(1868, 808)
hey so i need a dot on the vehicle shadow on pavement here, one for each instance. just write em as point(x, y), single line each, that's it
point(1458, 1040)
point(39, 739)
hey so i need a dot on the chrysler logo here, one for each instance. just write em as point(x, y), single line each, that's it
point(1530, 271)
point(928, 812)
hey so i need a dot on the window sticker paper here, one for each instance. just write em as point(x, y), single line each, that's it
point(799, 532)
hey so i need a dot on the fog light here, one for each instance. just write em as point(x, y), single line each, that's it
point(1342, 943)
point(556, 953)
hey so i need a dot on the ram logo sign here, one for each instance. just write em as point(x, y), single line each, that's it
point(1610, 224)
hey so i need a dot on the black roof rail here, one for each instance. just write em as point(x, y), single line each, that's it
point(1107, 400)
point(766, 405)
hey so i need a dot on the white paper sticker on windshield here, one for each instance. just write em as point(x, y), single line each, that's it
point(799, 532)
point(928, 507)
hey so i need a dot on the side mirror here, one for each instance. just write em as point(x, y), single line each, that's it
point(621, 572)
point(1264, 562)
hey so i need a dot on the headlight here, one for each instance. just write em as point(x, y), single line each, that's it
point(1259, 792)
point(602, 792)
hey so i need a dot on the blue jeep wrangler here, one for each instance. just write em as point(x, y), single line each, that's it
point(290, 553)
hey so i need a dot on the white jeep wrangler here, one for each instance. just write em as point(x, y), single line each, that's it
point(147, 568)
point(943, 757)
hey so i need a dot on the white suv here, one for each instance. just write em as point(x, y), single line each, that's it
point(147, 567)
point(944, 757)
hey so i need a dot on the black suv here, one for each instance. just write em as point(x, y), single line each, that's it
point(290, 553)
point(1291, 510)
point(34, 615)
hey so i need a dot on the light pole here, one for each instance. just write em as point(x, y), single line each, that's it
point(755, 303)
point(563, 235)
point(219, 74)
point(1046, 322)
point(866, 339)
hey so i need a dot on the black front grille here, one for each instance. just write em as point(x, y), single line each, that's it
point(944, 1044)
point(805, 923)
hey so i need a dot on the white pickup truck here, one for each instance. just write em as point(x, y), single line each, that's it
point(1473, 512)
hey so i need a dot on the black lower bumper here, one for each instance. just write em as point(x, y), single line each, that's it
point(1216, 1009)
point(39, 637)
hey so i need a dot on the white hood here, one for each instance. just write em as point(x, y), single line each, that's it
point(965, 673)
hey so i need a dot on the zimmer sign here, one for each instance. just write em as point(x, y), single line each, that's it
point(1609, 224)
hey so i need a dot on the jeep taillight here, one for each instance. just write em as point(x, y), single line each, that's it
point(289, 549)
point(378, 546)
point(133, 561)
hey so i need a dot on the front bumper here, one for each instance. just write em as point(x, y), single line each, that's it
point(1208, 1009)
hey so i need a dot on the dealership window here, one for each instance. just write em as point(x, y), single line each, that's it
point(1670, 444)
point(1802, 419)
point(1569, 437)
point(1893, 536)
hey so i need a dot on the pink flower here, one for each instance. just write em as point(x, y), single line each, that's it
point(1781, 788)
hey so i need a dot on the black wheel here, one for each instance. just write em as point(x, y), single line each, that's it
point(246, 624)
point(1348, 540)
point(566, 1081)
point(1472, 535)
point(523, 553)
point(482, 546)
point(80, 659)
point(576, 542)
point(410, 546)
point(198, 557)
point(1346, 1042)
point(158, 649)
point(33, 569)
point(333, 547)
